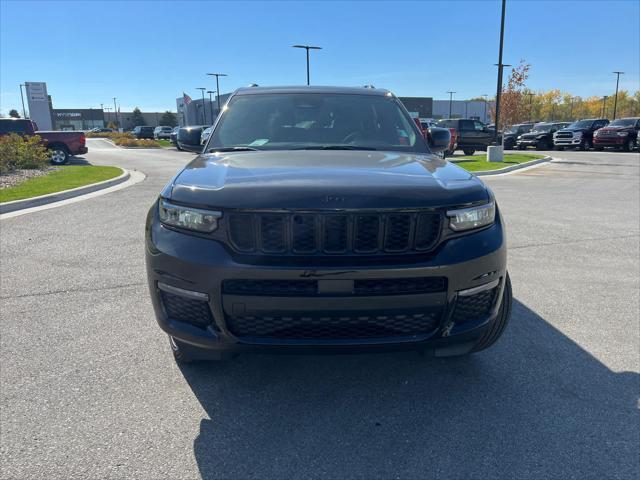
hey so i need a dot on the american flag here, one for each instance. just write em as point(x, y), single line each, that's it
point(186, 98)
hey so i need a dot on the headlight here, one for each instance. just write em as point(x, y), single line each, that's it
point(622, 134)
point(187, 217)
point(473, 217)
point(577, 134)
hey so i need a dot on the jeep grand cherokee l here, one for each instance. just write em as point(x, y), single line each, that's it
point(318, 218)
point(621, 133)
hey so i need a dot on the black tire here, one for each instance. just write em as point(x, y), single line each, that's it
point(521, 147)
point(598, 149)
point(628, 145)
point(469, 151)
point(59, 155)
point(495, 331)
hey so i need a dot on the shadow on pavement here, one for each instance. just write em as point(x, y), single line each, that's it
point(78, 161)
point(536, 405)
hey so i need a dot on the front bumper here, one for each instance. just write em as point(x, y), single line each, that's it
point(81, 151)
point(567, 142)
point(532, 142)
point(609, 141)
point(196, 268)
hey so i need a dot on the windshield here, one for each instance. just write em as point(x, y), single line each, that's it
point(581, 124)
point(623, 122)
point(542, 127)
point(285, 121)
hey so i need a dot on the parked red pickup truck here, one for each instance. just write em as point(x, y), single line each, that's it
point(61, 144)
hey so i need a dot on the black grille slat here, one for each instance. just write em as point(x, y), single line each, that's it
point(271, 287)
point(187, 310)
point(304, 233)
point(333, 327)
point(474, 306)
point(396, 234)
point(395, 286)
point(272, 233)
point(335, 233)
point(310, 233)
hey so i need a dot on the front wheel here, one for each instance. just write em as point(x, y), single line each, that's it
point(628, 145)
point(496, 329)
point(469, 152)
point(585, 145)
point(59, 155)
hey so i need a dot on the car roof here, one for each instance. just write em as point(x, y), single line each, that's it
point(312, 89)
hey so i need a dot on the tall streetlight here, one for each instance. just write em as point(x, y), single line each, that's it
point(115, 112)
point(450, 101)
point(485, 96)
point(108, 109)
point(217, 75)
point(211, 104)
point(604, 105)
point(24, 113)
point(615, 102)
point(102, 109)
point(307, 48)
point(204, 107)
point(500, 67)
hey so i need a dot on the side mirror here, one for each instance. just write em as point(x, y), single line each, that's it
point(438, 139)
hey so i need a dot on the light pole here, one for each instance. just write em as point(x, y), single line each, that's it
point(450, 101)
point(108, 109)
point(500, 67)
point(24, 113)
point(485, 96)
point(218, 86)
point(115, 113)
point(604, 105)
point(211, 103)
point(615, 102)
point(307, 48)
point(204, 107)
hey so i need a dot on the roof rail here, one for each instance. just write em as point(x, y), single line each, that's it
point(369, 86)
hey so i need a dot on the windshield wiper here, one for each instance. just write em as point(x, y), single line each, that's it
point(232, 149)
point(335, 147)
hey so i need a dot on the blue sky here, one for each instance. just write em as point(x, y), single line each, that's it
point(146, 53)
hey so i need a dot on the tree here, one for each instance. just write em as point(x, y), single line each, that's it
point(13, 113)
point(137, 118)
point(513, 102)
point(169, 119)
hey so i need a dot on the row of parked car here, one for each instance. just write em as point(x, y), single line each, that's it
point(597, 133)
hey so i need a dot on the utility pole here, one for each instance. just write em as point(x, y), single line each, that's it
point(211, 104)
point(204, 107)
point(450, 101)
point(530, 95)
point(217, 75)
point(24, 113)
point(571, 108)
point(307, 48)
point(604, 105)
point(115, 113)
point(500, 67)
point(615, 102)
point(484, 95)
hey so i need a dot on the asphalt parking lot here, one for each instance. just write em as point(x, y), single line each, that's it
point(90, 389)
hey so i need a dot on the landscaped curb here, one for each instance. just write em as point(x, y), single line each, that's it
point(513, 167)
point(15, 205)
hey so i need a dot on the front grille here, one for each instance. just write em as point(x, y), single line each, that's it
point(188, 310)
point(309, 288)
point(333, 327)
point(564, 135)
point(474, 306)
point(333, 233)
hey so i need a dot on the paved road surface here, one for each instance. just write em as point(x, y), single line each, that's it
point(90, 390)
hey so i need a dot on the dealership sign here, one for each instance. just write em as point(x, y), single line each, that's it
point(39, 109)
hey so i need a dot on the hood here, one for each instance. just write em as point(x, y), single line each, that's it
point(535, 134)
point(323, 179)
point(573, 130)
point(617, 128)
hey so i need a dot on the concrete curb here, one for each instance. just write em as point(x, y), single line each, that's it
point(513, 167)
point(63, 195)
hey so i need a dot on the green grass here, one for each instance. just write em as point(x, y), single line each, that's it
point(478, 163)
point(164, 143)
point(67, 177)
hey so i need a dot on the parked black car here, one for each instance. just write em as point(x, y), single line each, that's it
point(579, 134)
point(142, 132)
point(189, 138)
point(173, 138)
point(621, 133)
point(472, 135)
point(513, 132)
point(325, 223)
point(540, 136)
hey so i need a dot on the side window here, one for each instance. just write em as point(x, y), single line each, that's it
point(466, 125)
point(638, 125)
point(600, 124)
point(478, 126)
point(13, 126)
